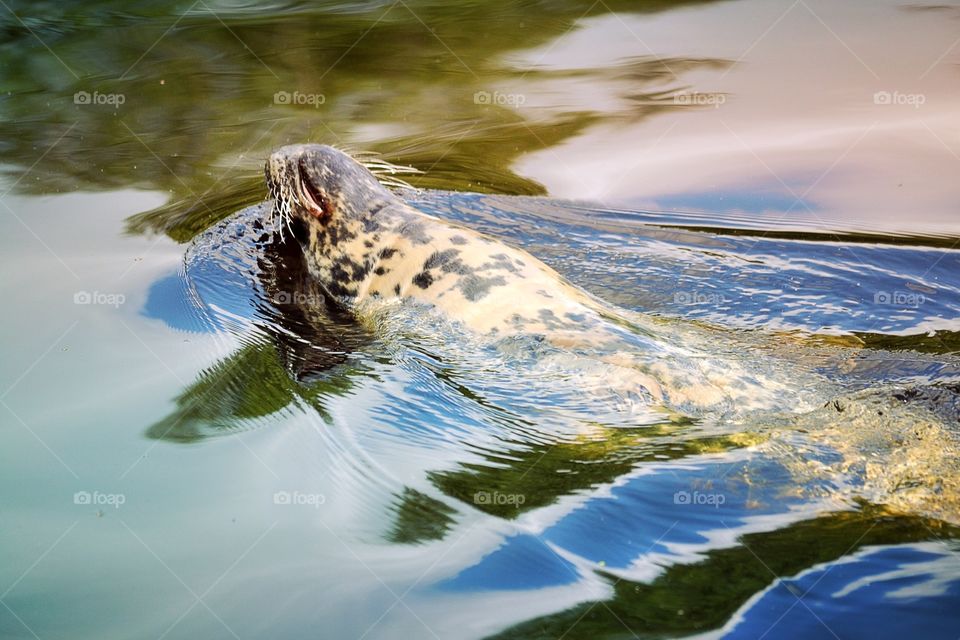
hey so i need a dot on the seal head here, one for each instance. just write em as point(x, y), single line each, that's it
point(322, 183)
point(334, 207)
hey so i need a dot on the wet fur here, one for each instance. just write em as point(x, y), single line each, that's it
point(369, 244)
point(362, 243)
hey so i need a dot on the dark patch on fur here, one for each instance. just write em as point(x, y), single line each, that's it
point(458, 240)
point(416, 231)
point(456, 266)
point(346, 270)
point(448, 261)
point(475, 287)
point(423, 279)
point(440, 258)
point(500, 262)
point(338, 289)
point(371, 224)
point(339, 275)
point(550, 319)
point(333, 232)
point(518, 320)
point(360, 271)
point(396, 289)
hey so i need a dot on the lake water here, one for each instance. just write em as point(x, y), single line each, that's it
point(192, 447)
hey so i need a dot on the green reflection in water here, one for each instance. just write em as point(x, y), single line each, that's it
point(545, 472)
point(249, 384)
point(691, 598)
point(419, 518)
point(198, 112)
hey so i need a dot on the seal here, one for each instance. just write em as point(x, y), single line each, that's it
point(362, 242)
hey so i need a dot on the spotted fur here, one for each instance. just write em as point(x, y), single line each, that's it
point(360, 239)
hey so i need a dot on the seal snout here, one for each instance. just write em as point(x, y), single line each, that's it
point(299, 178)
point(325, 194)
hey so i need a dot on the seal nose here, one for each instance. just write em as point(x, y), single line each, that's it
point(298, 150)
point(291, 153)
point(291, 150)
point(273, 168)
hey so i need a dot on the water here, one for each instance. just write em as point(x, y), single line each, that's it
point(196, 446)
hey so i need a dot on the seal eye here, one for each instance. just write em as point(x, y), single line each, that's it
point(315, 201)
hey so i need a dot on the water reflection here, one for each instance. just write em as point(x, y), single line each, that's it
point(441, 438)
point(624, 104)
point(298, 352)
point(195, 124)
point(850, 122)
point(780, 175)
point(545, 472)
point(701, 596)
point(239, 278)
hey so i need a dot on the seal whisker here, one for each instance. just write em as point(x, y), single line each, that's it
point(285, 219)
point(288, 224)
point(386, 172)
point(384, 166)
point(396, 183)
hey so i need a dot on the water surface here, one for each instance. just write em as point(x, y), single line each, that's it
point(196, 446)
